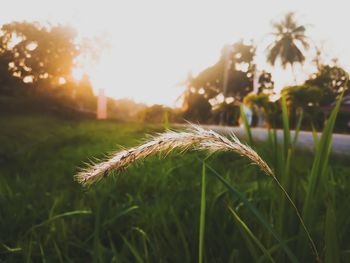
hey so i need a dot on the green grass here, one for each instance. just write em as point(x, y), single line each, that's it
point(152, 212)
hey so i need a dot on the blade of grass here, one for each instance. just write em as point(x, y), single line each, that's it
point(202, 217)
point(10, 249)
point(59, 216)
point(97, 255)
point(115, 254)
point(297, 129)
point(331, 239)
point(287, 182)
point(182, 235)
point(145, 241)
point(256, 213)
point(246, 230)
point(133, 250)
point(332, 249)
point(43, 260)
point(317, 181)
point(274, 248)
point(286, 130)
point(120, 214)
point(58, 252)
point(319, 165)
point(246, 126)
point(30, 249)
point(282, 216)
point(315, 138)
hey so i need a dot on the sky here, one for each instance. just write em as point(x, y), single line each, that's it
point(155, 44)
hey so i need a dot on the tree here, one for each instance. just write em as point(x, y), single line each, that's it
point(331, 80)
point(38, 60)
point(39, 56)
point(265, 83)
point(196, 107)
point(7, 80)
point(262, 107)
point(260, 100)
point(289, 44)
point(230, 78)
point(302, 96)
point(227, 113)
point(304, 99)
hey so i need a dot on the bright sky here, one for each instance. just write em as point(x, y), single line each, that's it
point(155, 44)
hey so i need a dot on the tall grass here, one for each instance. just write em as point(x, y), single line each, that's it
point(211, 141)
point(202, 140)
point(152, 213)
point(318, 192)
point(282, 163)
point(235, 192)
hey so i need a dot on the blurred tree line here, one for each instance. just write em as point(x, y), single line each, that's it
point(37, 61)
point(216, 93)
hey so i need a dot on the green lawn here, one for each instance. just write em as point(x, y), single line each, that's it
point(148, 214)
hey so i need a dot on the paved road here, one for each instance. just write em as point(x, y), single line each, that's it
point(340, 146)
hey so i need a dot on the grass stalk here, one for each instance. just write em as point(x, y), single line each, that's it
point(286, 129)
point(245, 230)
point(196, 138)
point(202, 217)
point(318, 176)
point(246, 126)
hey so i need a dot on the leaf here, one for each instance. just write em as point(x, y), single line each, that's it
point(331, 239)
point(246, 230)
point(133, 250)
point(246, 126)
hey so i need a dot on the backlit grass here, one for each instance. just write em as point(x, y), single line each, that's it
point(152, 212)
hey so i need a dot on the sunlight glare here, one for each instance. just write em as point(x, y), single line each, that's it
point(154, 45)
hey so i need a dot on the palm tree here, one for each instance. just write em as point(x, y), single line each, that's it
point(290, 42)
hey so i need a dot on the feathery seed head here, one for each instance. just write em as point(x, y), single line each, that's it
point(196, 137)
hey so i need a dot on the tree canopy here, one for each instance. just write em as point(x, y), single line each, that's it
point(231, 76)
point(289, 42)
point(302, 96)
point(331, 80)
point(38, 59)
point(265, 83)
point(38, 54)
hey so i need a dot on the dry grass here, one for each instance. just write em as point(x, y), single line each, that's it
point(194, 138)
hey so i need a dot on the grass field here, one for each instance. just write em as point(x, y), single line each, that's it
point(151, 213)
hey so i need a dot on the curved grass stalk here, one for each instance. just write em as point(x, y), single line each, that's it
point(194, 138)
